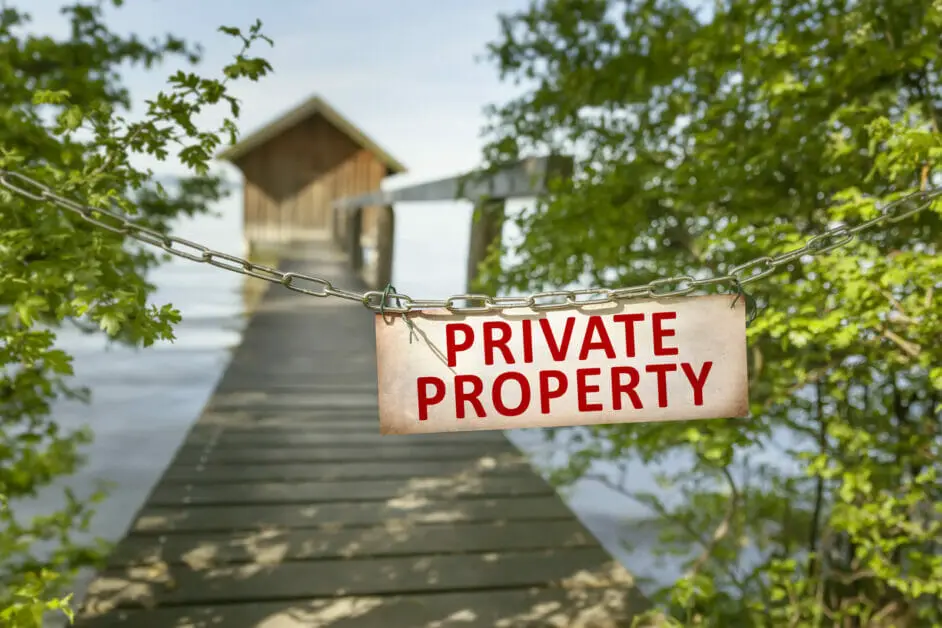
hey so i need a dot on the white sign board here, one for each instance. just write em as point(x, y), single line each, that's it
point(646, 360)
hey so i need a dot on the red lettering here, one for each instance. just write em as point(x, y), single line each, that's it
point(558, 351)
point(497, 395)
point(493, 341)
point(424, 399)
point(629, 320)
point(583, 389)
point(620, 388)
point(595, 327)
point(463, 396)
point(660, 333)
point(546, 393)
point(662, 370)
point(451, 344)
point(527, 341)
point(697, 380)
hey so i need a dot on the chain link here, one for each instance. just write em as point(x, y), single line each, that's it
point(394, 303)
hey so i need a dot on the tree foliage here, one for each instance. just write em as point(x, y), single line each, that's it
point(708, 136)
point(65, 120)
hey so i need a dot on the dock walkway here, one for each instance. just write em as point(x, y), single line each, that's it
point(285, 508)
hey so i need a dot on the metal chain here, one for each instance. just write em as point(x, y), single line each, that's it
point(383, 301)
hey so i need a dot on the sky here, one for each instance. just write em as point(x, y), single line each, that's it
point(408, 73)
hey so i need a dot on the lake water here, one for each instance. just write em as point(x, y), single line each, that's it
point(144, 401)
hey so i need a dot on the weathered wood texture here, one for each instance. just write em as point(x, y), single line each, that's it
point(297, 165)
point(364, 222)
point(487, 225)
point(292, 179)
point(284, 507)
point(530, 177)
point(385, 240)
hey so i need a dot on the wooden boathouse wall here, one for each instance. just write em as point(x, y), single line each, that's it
point(297, 166)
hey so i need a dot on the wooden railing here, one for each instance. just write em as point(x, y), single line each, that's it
point(370, 218)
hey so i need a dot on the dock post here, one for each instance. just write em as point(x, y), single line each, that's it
point(342, 229)
point(487, 223)
point(354, 248)
point(385, 238)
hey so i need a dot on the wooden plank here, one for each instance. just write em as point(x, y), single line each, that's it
point(414, 510)
point(332, 471)
point(218, 424)
point(276, 439)
point(569, 607)
point(381, 576)
point(326, 396)
point(191, 454)
point(525, 179)
point(307, 387)
point(280, 377)
point(387, 540)
point(212, 426)
point(319, 412)
point(311, 420)
point(434, 488)
point(363, 403)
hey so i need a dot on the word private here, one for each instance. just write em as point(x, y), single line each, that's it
point(651, 360)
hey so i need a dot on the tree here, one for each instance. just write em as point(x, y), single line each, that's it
point(708, 137)
point(66, 123)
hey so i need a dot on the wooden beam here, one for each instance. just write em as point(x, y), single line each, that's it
point(341, 227)
point(525, 179)
point(336, 226)
point(487, 224)
point(385, 236)
point(353, 235)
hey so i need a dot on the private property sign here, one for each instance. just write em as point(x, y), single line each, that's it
point(651, 360)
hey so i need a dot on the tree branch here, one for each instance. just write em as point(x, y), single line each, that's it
point(722, 530)
point(910, 348)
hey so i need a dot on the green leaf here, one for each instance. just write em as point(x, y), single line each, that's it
point(72, 118)
point(50, 97)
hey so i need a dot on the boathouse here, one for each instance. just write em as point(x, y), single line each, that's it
point(296, 166)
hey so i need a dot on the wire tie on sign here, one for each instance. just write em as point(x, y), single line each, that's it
point(382, 309)
point(751, 309)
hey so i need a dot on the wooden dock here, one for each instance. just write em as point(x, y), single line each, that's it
point(284, 507)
